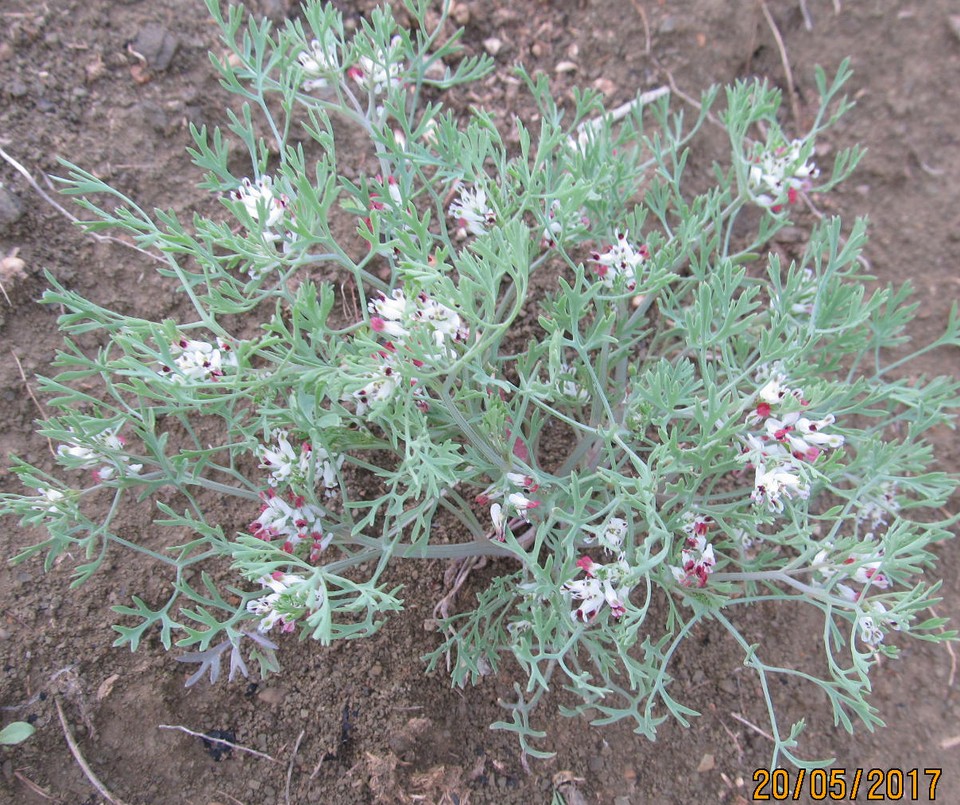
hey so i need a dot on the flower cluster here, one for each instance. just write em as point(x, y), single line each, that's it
point(785, 444)
point(377, 74)
point(872, 620)
point(610, 536)
point(291, 519)
point(604, 584)
point(513, 490)
point(568, 385)
point(620, 262)
point(259, 197)
point(318, 61)
point(105, 457)
point(471, 212)
point(402, 319)
point(779, 173)
point(48, 500)
point(288, 464)
point(379, 383)
point(697, 559)
point(288, 600)
point(199, 361)
point(858, 569)
point(877, 508)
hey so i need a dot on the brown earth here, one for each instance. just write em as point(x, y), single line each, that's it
point(360, 722)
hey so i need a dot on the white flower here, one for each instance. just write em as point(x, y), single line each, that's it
point(568, 385)
point(611, 535)
point(199, 360)
point(291, 465)
point(525, 482)
point(109, 444)
point(870, 633)
point(321, 59)
point(605, 584)
point(375, 75)
point(877, 507)
point(554, 227)
point(442, 320)
point(400, 318)
point(621, 259)
point(516, 505)
point(778, 173)
point(471, 212)
point(48, 500)
point(290, 519)
point(772, 486)
point(286, 602)
point(82, 457)
point(520, 502)
point(804, 436)
point(498, 520)
point(697, 562)
point(379, 384)
point(869, 573)
point(259, 196)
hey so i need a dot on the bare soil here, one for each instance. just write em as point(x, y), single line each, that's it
point(360, 722)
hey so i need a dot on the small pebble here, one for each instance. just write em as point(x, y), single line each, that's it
point(11, 210)
point(954, 22)
point(493, 45)
point(157, 45)
point(461, 13)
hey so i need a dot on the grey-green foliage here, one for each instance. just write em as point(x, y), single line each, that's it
point(680, 426)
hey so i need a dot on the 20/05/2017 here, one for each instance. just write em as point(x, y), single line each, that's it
point(834, 785)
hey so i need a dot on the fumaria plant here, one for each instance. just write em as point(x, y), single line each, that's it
point(725, 429)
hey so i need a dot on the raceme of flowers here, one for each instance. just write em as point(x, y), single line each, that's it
point(199, 361)
point(876, 509)
point(105, 458)
point(513, 490)
point(620, 262)
point(610, 536)
point(291, 465)
point(420, 319)
point(48, 500)
point(379, 383)
point(376, 74)
point(319, 61)
point(863, 569)
point(697, 559)
point(471, 212)
point(258, 197)
point(288, 600)
point(785, 444)
point(289, 519)
point(778, 174)
point(603, 584)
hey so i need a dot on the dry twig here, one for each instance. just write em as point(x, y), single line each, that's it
point(293, 757)
point(77, 756)
point(65, 212)
point(36, 402)
point(754, 727)
point(218, 741)
point(38, 790)
point(232, 799)
point(646, 26)
point(791, 90)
